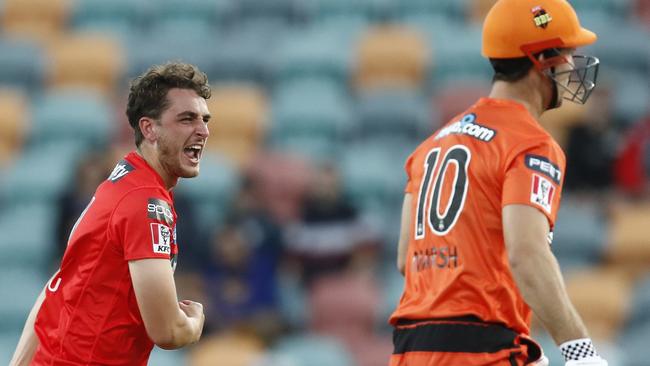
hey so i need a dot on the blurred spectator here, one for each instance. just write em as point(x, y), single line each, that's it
point(346, 306)
point(93, 169)
point(279, 183)
point(240, 279)
point(591, 146)
point(632, 167)
point(330, 232)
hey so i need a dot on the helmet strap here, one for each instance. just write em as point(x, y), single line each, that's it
point(555, 100)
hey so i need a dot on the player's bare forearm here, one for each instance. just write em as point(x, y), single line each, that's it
point(537, 273)
point(170, 324)
point(188, 327)
point(539, 280)
point(28, 340)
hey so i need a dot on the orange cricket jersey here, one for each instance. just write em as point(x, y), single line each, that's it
point(493, 155)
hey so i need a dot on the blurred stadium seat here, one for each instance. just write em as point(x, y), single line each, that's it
point(559, 121)
point(29, 235)
point(14, 124)
point(344, 306)
point(613, 8)
point(364, 167)
point(243, 51)
point(72, 114)
point(284, 73)
point(631, 97)
point(580, 233)
point(230, 349)
point(459, 58)
point(603, 315)
point(196, 44)
point(280, 181)
point(329, 9)
point(642, 11)
point(211, 192)
point(478, 10)
point(639, 317)
point(41, 20)
point(239, 121)
point(454, 10)
point(20, 287)
point(634, 339)
point(42, 173)
point(308, 350)
point(457, 96)
point(22, 64)
point(161, 357)
point(317, 52)
point(8, 342)
point(208, 13)
point(391, 55)
point(385, 114)
point(310, 110)
point(282, 10)
point(629, 239)
point(91, 61)
point(118, 18)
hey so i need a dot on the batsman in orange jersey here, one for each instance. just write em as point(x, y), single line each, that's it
point(481, 202)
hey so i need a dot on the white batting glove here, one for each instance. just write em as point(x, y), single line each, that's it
point(581, 352)
point(542, 361)
point(590, 361)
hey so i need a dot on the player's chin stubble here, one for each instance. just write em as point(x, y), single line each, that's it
point(170, 159)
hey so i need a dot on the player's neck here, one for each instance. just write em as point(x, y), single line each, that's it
point(521, 92)
point(149, 155)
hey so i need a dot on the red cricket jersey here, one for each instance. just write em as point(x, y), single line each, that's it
point(493, 155)
point(90, 315)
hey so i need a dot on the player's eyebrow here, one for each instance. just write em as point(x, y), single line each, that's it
point(193, 115)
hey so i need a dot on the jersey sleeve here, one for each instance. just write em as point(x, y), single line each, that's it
point(534, 176)
point(408, 167)
point(143, 224)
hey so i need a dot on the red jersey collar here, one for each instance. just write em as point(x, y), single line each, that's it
point(138, 161)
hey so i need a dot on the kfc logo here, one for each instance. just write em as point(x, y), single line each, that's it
point(542, 192)
point(161, 238)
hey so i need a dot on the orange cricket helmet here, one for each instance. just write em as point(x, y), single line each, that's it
point(526, 28)
point(513, 28)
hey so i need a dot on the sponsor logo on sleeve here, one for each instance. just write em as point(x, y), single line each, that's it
point(121, 169)
point(160, 210)
point(161, 238)
point(542, 193)
point(545, 166)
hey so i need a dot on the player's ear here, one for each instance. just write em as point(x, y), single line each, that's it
point(149, 128)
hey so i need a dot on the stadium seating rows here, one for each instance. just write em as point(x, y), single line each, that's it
point(326, 80)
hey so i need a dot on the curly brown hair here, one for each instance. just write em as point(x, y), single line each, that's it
point(148, 92)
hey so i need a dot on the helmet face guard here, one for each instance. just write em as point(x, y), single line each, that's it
point(582, 75)
point(582, 78)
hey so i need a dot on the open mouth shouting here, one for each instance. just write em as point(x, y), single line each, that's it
point(193, 152)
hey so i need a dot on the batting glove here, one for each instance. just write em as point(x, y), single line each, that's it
point(581, 352)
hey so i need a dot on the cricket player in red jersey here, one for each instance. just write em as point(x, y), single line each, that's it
point(114, 296)
point(481, 201)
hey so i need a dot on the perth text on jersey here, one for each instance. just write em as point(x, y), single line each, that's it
point(467, 126)
point(545, 166)
point(435, 257)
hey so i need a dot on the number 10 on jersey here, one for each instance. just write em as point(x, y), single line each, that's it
point(431, 186)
